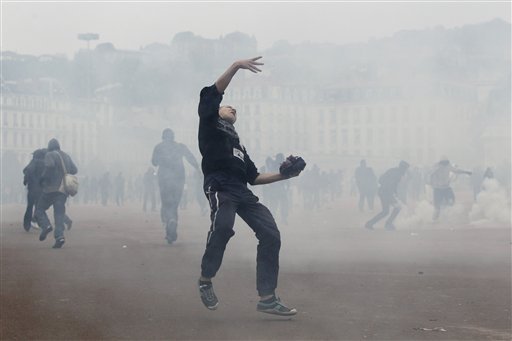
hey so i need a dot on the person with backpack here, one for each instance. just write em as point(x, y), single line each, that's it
point(31, 179)
point(31, 175)
point(56, 165)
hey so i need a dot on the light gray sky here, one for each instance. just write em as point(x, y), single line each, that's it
point(39, 28)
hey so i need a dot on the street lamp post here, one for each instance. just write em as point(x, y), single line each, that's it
point(88, 37)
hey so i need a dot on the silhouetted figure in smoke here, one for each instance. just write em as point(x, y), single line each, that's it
point(53, 193)
point(104, 185)
point(488, 174)
point(227, 169)
point(32, 174)
point(168, 157)
point(366, 182)
point(440, 182)
point(32, 179)
point(388, 197)
point(310, 189)
point(149, 189)
point(119, 189)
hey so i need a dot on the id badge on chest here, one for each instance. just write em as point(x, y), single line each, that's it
point(238, 153)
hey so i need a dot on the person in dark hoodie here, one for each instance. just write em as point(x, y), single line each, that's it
point(168, 157)
point(31, 178)
point(388, 195)
point(53, 194)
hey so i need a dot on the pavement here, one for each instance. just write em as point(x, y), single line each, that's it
point(117, 278)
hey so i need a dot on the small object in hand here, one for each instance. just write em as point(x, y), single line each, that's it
point(292, 166)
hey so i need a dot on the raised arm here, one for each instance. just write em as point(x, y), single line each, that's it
point(248, 64)
point(459, 171)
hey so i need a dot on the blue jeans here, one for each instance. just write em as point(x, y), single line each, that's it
point(58, 201)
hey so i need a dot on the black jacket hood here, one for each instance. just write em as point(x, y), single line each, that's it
point(53, 145)
point(39, 153)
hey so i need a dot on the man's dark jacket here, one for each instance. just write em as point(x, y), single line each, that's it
point(53, 172)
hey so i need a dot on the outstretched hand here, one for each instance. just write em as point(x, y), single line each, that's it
point(246, 64)
point(250, 64)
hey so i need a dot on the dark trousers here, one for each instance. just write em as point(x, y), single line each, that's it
point(369, 196)
point(170, 194)
point(387, 200)
point(224, 205)
point(442, 196)
point(149, 195)
point(58, 201)
point(32, 198)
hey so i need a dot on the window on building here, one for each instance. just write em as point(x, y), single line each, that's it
point(432, 113)
point(369, 136)
point(332, 138)
point(392, 114)
point(5, 120)
point(356, 113)
point(369, 115)
point(392, 137)
point(419, 135)
point(343, 115)
point(332, 115)
point(405, 113)
point(344, 137)
point(357, 137)
point(14, 119)
point(405, 136)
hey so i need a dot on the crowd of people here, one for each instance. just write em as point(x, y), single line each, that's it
point(226, 169)
point(316, 189)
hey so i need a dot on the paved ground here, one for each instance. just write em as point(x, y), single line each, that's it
point(115, 278)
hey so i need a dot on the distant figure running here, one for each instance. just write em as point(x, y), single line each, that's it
point(168, 157)
point(388, 197)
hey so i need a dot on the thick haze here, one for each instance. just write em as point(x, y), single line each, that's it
point(419, 81)
point(49, 28)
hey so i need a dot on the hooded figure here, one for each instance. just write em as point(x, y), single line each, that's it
point(168, 157)
point(31, 178)
point(56, 164)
